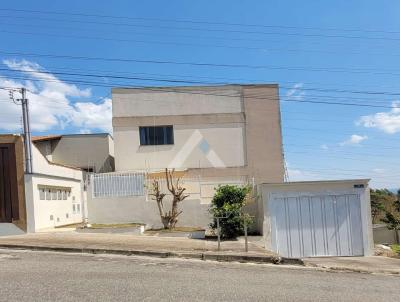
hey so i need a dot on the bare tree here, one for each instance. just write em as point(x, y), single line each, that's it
point(159, 197)
point(177, 195)
point(170, 218)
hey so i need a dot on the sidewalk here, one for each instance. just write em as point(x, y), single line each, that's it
point(372, 264)
point(95, 243)
point(143, 245)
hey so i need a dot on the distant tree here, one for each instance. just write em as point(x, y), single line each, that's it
point(380, 201)
point(392, 218)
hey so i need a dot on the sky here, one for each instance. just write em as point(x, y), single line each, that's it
point(345, 53)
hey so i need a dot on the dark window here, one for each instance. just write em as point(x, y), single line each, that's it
point(157, 135)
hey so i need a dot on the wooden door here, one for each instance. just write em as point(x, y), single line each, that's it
point(8, 184)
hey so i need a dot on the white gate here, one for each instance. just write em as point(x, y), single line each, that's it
point(316, 225)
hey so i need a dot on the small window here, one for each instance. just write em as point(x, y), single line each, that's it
point(48, 194)
point(51, 217)
point(53, 195)
point(42, 194)
point(64, 195)
point(156, 135)
point(67, 215)
point(73, 209)
point(78, 206)
point(59, 195)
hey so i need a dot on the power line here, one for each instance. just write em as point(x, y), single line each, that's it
point(295, 50)
point(206, 64)
point(171, 89)
point(112, 76)
point(197, 21)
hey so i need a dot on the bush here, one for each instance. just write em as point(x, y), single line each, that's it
point(228, 201)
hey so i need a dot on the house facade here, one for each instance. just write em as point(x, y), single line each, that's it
point(54, 193)
point(213, 131)
point(50, 196)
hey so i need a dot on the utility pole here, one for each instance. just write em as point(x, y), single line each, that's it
point(27, 132)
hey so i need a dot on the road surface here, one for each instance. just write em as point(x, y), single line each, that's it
point(47, 276)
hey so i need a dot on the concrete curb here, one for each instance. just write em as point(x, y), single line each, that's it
point(343, 269)
point(211, 256)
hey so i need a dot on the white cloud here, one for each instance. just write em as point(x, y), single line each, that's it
point(51, 106)
point(90, 115)
point(388, 122)
point(296, 92)
point(324, 147)
point(300, 175)
point(378, 170)
point(355, 139)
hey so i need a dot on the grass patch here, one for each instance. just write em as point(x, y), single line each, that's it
point(114, 225)
point(175, 230)
point(396, 248)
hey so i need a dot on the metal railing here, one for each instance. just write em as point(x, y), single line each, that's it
point(117, 184)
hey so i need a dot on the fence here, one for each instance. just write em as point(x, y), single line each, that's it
point(117, 184)
point(139, 184)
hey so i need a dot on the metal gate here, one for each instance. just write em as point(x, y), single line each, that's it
point(8, 184)
point(320, 225)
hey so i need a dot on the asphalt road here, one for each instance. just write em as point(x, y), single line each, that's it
point(46, 276)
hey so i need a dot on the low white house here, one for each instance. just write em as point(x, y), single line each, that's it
point(54, 193)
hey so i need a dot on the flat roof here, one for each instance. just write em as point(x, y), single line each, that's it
point(364, 180)
point(42, 138)
point(196, 86)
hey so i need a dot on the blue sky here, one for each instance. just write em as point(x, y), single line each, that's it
point(346, 52)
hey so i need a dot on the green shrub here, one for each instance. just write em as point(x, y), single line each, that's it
point(228, 201)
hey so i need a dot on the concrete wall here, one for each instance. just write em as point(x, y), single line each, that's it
point(84, 151)
point(263, 133)
point(219, 131)
point(138, 210)
point(382, 235)
point(319, 187)
point(176, 101)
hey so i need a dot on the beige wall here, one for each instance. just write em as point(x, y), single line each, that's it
point(80, 151)
point(185, 101)
point(263, 133)
point(188, 151)
point(241, 124)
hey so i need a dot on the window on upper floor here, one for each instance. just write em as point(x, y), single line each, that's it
point(156, 135)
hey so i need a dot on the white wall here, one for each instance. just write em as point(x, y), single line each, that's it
point(39, 211)
point(43, 166)
point(56, 176)
point(138, 210)
point(195, 146)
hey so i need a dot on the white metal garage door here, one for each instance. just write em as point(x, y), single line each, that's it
point(307, 226)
